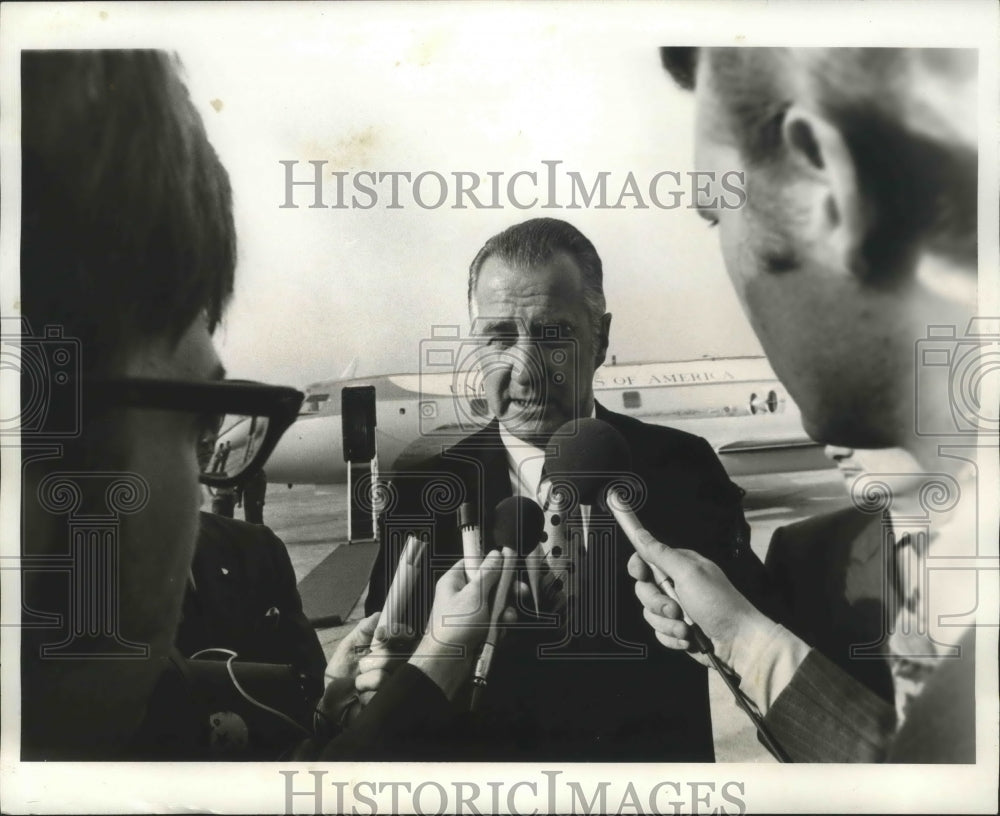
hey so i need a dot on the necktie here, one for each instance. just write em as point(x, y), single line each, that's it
point(914, 654)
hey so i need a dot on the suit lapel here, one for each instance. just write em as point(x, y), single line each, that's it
point(866, 570)
point(484, 458)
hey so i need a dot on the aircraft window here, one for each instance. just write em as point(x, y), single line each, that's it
point(402, 411)
point(631, 399)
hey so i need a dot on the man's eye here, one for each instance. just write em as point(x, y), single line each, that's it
point(502, 340)
point(712, 222)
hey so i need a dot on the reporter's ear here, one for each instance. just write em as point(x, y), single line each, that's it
point(824, 181)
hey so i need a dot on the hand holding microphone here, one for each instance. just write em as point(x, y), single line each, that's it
point(461, 616)
point(683, 582)
point(517, 521)
point(392, 633)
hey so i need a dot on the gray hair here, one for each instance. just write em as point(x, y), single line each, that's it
point(535, 242)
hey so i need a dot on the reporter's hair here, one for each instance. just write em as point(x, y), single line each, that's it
point(127, 230)
point(922, 183)
point(535, 242)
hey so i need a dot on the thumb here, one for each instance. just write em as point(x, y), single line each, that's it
point(364, 631)
point(454, 579)
point(671, 561)
point(489, 571)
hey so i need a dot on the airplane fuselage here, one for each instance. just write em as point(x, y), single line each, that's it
point(736, 403)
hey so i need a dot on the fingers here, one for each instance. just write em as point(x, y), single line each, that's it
point(673, 643)
point(676, 563)
point(490, 569)
point(674, 634)
point(365, 630)
point(362, 634)
point(380, 660)
point(487, 577)
point(639, 569)
point(523, 594)
point(371, 681)
point(394, 637)
point(655, 601)
point(454, 579)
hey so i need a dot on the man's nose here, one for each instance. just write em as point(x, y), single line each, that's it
point(526, 362)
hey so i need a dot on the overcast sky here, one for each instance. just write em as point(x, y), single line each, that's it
point(486, 93)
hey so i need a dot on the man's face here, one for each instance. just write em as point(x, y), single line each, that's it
point(843, 349)
point(539, 351)
point(163, 448)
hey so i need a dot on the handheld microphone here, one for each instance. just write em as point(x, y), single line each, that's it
point(482, 669)
point(408, 572)
point(519, 523)
point(589, 454)
point(472, 542)
point(391, 620)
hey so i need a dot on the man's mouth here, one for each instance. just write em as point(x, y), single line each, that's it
point(526, 405)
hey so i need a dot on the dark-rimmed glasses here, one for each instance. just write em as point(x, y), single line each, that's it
point(241, 423)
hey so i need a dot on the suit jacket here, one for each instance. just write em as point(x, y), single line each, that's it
point(245, 599)
point(831, 573)
point(616, 696)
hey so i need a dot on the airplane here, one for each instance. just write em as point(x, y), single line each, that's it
point(736, 403)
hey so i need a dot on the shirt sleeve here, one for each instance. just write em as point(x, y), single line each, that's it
point(767, 662)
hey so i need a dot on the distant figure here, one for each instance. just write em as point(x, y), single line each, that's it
point(254, 491)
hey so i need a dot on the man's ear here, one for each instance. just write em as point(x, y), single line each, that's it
point(838, 218)
point(601, 344)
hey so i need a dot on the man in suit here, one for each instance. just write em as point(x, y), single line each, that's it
point(857, 240)
point(537, 304)
point(242, 596)
point(829, 571)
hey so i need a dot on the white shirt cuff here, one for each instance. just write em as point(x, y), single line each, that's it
point(766, 662)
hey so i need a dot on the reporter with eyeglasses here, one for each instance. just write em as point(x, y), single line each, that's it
point(128, 252)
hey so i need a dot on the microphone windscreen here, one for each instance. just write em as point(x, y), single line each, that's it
point(587, 454)
point(518, 523)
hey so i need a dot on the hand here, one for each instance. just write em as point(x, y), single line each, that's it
point(459, 623)
point(672, 629)
point(339, 703)
point(702, 590)
point(389, 650)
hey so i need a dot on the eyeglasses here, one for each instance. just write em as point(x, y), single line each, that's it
point(241, 421)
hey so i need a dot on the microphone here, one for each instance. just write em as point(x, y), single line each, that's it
point(516, 520)
point(482, 669)
point(589, 454)
point(519, 523)
point(472, 542)
point(391, 619)
point(401, 590)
